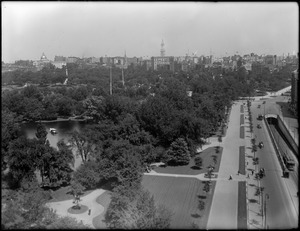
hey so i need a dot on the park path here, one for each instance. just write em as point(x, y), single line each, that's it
point(223, 212)
point(89, 200)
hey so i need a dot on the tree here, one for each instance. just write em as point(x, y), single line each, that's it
point(20, 161)
point(26, 207)
point(76, 188)
point(88, 174)
point(198, 162)
point(201, 205)
point(139, 212)
point(41, 133)
point(82, 141)
point(10, 130)
point(57, 165)
point(178, 153)
point(67, 223)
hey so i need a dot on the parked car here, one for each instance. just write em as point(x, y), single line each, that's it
point(260, 144)
point(258, 106)
point(258, 126)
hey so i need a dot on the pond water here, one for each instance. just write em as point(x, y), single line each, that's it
point(64, 128)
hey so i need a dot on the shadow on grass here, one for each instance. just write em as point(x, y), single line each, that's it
point(195, 215)
point(201, 197)
point(253, 201)
point(195, 168)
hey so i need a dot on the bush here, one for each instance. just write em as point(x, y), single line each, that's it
point(198, 162)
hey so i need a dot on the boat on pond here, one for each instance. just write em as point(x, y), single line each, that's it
point(53, 131)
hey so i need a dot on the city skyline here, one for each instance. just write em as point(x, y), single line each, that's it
point(88, 29)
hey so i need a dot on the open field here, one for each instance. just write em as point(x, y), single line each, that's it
point(104, 200)
point(181, 196)
point(208, 155)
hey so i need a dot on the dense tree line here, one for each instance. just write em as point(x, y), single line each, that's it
point(151, 118)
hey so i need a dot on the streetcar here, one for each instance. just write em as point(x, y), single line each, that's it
point(289, 162)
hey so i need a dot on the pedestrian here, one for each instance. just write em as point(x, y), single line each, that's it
point(238, 172)
point(252, 171)
point(247, 162)
point(248, 175)
point(89, 211)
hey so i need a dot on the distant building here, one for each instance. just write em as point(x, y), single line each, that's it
point(105, 61)
point(294, 88)
point(59, 64)
point(40, 64)
point(166, 62)
point(59, 59)
point(147, 64)
point(72, 59)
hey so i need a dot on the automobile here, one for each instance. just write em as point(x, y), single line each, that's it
point(260, 117)
point(258, 126)
point(258, 106)
point(260, 144)
point(264, 102)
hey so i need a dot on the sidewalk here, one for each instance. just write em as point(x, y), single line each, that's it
point(89, 200)
point(253, 202)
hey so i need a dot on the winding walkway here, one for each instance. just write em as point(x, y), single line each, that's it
point(89, 200)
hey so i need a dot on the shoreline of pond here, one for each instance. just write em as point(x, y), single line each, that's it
point(60, 119)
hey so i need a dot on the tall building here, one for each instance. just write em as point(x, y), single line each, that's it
point(162, 49)
point(294, 88)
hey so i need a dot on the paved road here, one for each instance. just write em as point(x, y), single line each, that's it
point(282, 207)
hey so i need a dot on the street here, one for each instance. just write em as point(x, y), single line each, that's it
point(281, 211)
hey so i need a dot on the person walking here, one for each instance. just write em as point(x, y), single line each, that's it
point(89, 211)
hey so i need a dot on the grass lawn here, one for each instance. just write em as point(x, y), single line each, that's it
point(63, 194)
point(104, 200)
point(242, 206)
point(181, 196)
point(207, 155)
point(242, 167)
point(83, 209)
point(242, 132)
point(242, 119)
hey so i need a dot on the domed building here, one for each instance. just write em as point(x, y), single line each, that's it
point(39, 64)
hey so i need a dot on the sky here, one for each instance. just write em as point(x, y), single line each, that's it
point(87, 29)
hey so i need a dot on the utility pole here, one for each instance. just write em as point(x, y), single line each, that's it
point(110, 81)
point(123, 81)
point(267, 198)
